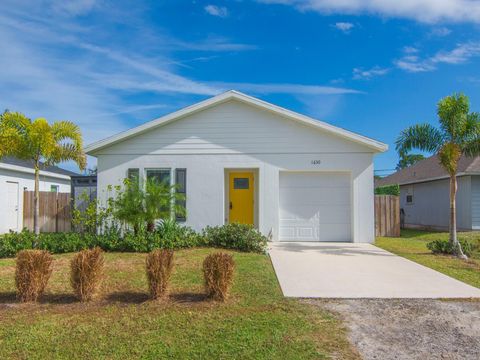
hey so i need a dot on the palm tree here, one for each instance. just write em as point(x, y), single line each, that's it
point(458, 134)
point(40, 142)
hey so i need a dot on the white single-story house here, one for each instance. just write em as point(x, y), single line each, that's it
point(17, 176)
point(241, 159)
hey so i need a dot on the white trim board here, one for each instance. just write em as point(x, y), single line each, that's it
point(32, 171)
point(375, 145)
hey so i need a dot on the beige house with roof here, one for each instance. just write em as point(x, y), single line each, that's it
point(424, 194)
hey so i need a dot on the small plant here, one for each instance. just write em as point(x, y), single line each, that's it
point(86, 272)
point(236, 236)
point(218, 275)
point(159, 266)
point(446, 247)
point(32, 273)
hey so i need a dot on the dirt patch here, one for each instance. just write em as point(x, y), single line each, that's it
point(410, 329)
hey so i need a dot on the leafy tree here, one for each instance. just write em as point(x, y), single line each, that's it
point(38, 141)
point(457, 135)
point(140, 206)
point(161, 202)
point(407, 160)
point(128, 204)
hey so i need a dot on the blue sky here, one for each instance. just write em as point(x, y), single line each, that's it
point(373, 67)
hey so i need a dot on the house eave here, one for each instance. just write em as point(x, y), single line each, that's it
point(32, 171)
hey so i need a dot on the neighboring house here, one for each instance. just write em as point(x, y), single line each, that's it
point(425, 194)
point(17, 176)
point(240, 159)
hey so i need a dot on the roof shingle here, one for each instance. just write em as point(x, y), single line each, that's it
point(429, 169)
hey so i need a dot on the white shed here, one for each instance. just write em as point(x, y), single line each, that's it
point(240, 159)
point(17, 176)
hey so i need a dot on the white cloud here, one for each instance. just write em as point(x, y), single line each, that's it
point(440, 31)
point(458, 55)
point(362, 74)
point(295, 89)
point(410, 50)
point(73, 7)
point(220, 11)
point(211, 43)
point(345, 27)
point(428, 11)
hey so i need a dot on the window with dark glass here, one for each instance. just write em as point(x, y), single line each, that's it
point(159, 175)
point(181, 188)
point(409, 199)
point(133, 174)
point(240, 183)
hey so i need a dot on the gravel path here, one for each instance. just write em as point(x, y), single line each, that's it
point(410, 329)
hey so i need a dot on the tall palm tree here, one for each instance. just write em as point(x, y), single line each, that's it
point(40, 142)
point(457, 135)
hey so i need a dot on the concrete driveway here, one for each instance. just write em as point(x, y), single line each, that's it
point(348, 270)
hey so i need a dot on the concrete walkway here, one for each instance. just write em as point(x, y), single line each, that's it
point(347, 270)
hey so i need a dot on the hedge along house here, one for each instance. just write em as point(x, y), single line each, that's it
point(240, 159)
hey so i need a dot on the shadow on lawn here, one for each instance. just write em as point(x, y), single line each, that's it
point(11, 297)
point(125, 297)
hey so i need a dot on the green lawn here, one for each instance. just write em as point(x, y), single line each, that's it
point(256, 323)
point(412, 245)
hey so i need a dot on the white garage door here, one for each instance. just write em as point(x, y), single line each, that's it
point(315, 207)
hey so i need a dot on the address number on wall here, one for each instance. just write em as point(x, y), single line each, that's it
point(316, 162)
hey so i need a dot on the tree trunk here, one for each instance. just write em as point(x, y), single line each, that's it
point(151, 226)
point(36, 203)
point(457, 248)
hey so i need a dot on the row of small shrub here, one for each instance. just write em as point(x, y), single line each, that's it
point(34, 268)
point(388, 190)
point(445, 247)
point(168, 235)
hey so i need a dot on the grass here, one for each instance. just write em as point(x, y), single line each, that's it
point(413, 245)
point(255, 322)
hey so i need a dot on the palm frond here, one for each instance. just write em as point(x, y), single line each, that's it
point(472, 126)
point(67, 130)
point(424, 137)
point(449, 155)
point(453, 114)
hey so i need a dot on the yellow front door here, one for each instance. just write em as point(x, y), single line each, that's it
point(241, 197)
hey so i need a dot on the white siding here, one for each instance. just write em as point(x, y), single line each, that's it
point(25, 182)
point(233, 127)
point(233, 135)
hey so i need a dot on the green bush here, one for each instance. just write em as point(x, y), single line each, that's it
point(236, 236)
point(388, 190)
point(445, 247)
point(167, 235)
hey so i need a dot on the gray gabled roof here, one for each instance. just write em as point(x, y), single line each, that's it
point(429, 169)
point(29, 164)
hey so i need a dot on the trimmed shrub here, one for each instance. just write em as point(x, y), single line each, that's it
point(444, 247)
point(218, 275)
point(388, 190)
point(236, 236)
point(86, 272)
point(159, 266)
point(33, 270)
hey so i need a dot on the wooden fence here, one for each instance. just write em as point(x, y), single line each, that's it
point(387, 215)
point(55, 211)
